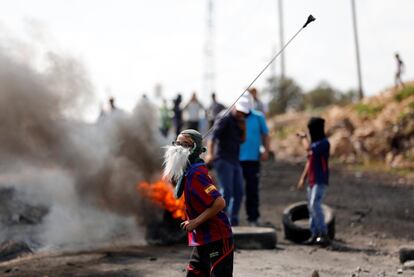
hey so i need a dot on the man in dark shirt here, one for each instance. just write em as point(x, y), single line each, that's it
point(214, 109)
point(223, 151)
point(178, 117)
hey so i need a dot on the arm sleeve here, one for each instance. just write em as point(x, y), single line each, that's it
point(205, 190)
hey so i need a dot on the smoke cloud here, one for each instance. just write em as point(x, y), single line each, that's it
point(85, 174)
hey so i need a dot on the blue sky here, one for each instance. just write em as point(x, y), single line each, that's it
point(130, 46)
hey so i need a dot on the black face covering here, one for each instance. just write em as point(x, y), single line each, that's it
point(316, 127)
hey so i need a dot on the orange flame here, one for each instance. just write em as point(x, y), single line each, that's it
point(162, 194)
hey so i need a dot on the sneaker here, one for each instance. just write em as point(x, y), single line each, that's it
point(312, 240)
point(253, 224)
point(323, 241)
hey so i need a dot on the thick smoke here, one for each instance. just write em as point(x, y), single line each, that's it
point(85, 174)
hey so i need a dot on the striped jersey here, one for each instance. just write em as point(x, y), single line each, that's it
point(200, 193)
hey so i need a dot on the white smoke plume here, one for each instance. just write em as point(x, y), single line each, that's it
point(85, 174)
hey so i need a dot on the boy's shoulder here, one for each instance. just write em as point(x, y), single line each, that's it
point(321, 144)
point(198, 169)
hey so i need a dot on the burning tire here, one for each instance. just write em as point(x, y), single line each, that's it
point(165, 232)
point(254, 237)
point(296, 232)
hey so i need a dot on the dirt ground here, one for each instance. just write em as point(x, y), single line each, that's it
point(374, 218)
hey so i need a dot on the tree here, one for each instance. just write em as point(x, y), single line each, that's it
point(321, 96)
point(285, 94)
point(324, 95)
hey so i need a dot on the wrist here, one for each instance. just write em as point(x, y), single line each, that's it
point(197, 221)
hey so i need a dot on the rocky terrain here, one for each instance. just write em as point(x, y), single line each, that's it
point(378, 131)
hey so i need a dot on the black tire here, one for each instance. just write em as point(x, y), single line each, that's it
point(254, 237)
point(297, 211)
point(406, 254)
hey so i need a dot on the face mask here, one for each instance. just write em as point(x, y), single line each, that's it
point(176, 159)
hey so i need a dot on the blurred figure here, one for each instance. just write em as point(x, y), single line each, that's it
point(112, 104)
point(257, 136)
point(214, 109)
point(400, 70)
point(178, 114)
point(223, 151)
point(165, 118)
point(316, 172)
point(193, 109)
point(257, 103)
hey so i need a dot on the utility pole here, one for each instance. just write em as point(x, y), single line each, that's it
point(354, 19)
point(282, 41)
point(209, 70)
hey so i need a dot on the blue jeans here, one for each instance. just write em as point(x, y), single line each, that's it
point(316, 217)
point(230, 179)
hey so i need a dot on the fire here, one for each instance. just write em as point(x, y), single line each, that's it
point(162, 194)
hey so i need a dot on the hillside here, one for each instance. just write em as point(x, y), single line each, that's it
point(376, 131)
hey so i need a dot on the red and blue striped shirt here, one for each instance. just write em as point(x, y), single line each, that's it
point(200, 193)
point(318, 163)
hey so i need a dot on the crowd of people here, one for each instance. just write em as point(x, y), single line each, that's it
point(239, 141)
point(195, 115)
point(235, 142)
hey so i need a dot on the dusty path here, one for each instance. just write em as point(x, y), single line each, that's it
point(286, 260)
point(375, 216)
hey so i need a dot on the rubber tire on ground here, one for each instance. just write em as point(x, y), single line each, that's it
point(246, 237)
point(406, 254)
point(298, 211)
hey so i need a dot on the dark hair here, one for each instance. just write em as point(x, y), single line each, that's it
point(316, 127)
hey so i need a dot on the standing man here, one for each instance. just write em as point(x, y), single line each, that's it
point(257, 103)
point(193, 109)
point(400, 70)
point(257, 135)
point(214, 109)
point(112, 105)
point(208, 227)
point(178, 114)
point(165, 118)
point(229, 132)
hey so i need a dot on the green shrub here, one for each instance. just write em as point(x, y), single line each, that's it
point(411, 105)
point(283, 132)
point(368, 110)
point(404, 93)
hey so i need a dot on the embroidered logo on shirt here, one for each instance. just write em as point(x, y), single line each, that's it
point(210, 188)
point(214, 254)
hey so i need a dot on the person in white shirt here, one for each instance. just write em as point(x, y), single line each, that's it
point(193, 109)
